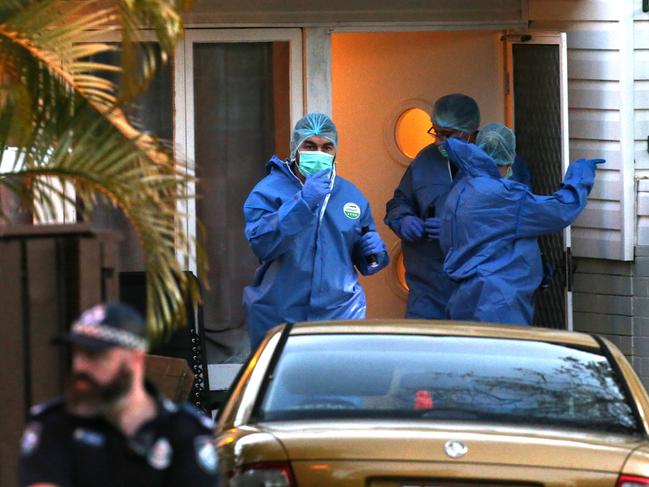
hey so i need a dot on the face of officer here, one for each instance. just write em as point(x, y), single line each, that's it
point(100, 379)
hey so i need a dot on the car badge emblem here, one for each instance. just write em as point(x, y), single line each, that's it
point(455, 449)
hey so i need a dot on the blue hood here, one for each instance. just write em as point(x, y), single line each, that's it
point(471, 159)
point(489, 227)
point(277, 163)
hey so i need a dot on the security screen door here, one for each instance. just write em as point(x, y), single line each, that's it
point(242, 92)
point(537, 105)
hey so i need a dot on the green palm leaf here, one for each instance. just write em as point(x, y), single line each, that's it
point(68, 128)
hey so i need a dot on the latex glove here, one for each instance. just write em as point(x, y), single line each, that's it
point(595, 162)
point(371, 243)
point(432, 225)
point(316, 188)
point(582, 171)
point(412, 228)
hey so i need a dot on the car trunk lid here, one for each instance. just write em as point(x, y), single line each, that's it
point(527, 455)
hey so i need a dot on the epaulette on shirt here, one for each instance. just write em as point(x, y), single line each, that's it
point(197, 414)
point(38, 410)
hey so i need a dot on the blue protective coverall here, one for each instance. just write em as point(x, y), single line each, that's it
point(489, 227)
point(521, 171)
point(307, 265)
point(420, 193)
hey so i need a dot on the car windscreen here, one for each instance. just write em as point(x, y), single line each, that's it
point(454, 378)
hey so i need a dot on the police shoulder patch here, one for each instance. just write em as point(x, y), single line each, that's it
point(169, 405)
point(31, 438)
point(206, 453)
point(159, 455)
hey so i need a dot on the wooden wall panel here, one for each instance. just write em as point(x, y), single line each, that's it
point(12, 381)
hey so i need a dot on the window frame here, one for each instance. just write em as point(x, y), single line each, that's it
point(184, 103)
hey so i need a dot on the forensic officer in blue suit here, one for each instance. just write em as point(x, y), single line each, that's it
point(411, 213)
point(312, 231)
point(489, 227)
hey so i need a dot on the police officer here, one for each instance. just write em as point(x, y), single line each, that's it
point(112, 428)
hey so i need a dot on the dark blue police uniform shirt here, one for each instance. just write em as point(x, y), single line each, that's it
point(174, 448)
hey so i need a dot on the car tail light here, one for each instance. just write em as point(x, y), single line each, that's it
point(262, 475)
point(629, 481)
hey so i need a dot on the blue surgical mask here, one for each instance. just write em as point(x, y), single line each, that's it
point(443, 151)
point(312, 162)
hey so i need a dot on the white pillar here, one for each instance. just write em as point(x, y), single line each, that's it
point(317, 62)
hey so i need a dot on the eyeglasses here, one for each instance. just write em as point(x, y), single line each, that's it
point(442, 133)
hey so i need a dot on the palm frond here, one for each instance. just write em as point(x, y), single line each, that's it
point(68, 128)
point(138, 58)
point(94, 156)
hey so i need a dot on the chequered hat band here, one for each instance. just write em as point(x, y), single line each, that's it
point(112, 335)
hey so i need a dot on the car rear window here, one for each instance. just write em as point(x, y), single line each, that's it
point(446, 378)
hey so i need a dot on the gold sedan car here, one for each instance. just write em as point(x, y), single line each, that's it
point(434, 404)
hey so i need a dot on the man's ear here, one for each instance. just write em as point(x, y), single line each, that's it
point(138, 357)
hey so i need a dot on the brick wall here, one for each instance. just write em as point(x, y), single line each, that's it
point(611, 298)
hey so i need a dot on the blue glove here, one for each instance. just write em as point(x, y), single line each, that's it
point(432, 225)
point(316, 188)
point(582, 171)
point(371, 243)
point(595, 162)
point(412, 228)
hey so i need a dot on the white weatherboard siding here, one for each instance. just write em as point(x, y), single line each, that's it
point(641, 93)
point(470, 13)
point(600, 99)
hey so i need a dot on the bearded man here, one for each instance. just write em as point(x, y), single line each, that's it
point(111, 427)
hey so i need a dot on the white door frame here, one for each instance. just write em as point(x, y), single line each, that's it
point(184, 102)
point(558, 39)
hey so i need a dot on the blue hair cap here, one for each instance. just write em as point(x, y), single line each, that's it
point(310, 125)
point(458, 112)
point(498, 141)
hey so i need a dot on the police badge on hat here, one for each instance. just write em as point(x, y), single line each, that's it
point(206, 454)
point(159, 455)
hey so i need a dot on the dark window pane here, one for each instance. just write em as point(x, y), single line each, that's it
point(151, 112)
point(241, 106)
point(447, 378)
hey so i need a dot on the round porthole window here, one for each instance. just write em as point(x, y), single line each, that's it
point(411, 132)
point(406, 130)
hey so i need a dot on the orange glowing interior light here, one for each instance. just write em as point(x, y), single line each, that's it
point(411, 131)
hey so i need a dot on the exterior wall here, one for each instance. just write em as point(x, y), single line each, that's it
point(600, 115)
point(359, 12)
point(641, 92)
point(608, 68)
point(611, 298)
point(603, 300)
point(640, 330)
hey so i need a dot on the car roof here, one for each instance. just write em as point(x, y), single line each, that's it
point(443, 328)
